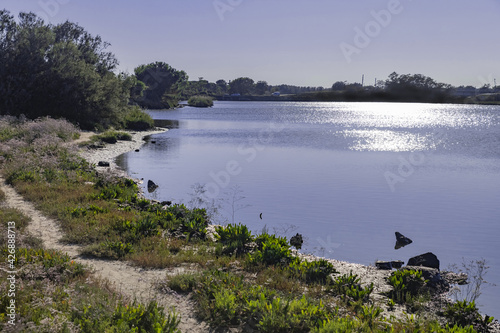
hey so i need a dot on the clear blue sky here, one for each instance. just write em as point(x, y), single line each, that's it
point(315, 42)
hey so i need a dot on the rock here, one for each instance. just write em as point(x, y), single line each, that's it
point(401, 241)
point(428, 259)
point(166, 203)
point(153, 141)
point(397, 264)
point(383, 265)
point(137, 150)
point(297, 241)
point(151, 186)
point(389, 264)
point(103, 164)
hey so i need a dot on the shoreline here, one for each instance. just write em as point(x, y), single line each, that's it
point(110, 152)
point(367, 274)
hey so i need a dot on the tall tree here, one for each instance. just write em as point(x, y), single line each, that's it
point(163, 85)
point(242, 85)
point(61, 71)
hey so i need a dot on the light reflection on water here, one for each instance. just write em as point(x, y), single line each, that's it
point(323, 168)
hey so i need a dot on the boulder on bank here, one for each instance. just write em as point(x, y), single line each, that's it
point(103, 164)
point(428, 259)
point(387, 265)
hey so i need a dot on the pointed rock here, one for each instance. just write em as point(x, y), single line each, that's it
point(401, 241)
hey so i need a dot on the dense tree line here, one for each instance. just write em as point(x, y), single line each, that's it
point(62, 71)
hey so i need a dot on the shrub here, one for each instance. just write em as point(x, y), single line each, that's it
point(464, 314)
point(312, 271)
point(264, 237)
point(200, 101)
point(118, 248)
point(184, 282)
point(14, 215)
point(140, 318)
point(273, 252)
point(235, 238)
point(138, 120)
point(112, 136)
point(348, 287)
point(287, 315)
point(406, 284)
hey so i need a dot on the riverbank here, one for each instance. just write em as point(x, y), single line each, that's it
point(369, 275)
point(165, 254)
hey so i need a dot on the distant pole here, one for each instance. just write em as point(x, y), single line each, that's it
point(375, 84)
point(363, 80)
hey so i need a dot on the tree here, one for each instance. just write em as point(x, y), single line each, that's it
point(164, 85)
point(242, 85)
point(339, 85)
point(221, 86)
point(60, 71)
point(261, 87)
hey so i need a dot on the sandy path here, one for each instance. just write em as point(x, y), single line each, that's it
point(130, 281)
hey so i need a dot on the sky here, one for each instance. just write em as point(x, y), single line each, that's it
point(298, 42)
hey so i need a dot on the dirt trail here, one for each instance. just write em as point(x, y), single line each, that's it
point(129, 280)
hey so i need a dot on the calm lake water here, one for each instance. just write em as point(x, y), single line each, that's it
point(345, 175)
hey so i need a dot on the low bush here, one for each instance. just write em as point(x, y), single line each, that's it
point(235, 238)
point(406, 285)
point(138, 120)
point(273, 252)
point(348, 287)
point(200, 101)
point(317, 271)
point(465, 314)
point(112, 136)
point(14, 215)
point(140, 318)
point(184, 282)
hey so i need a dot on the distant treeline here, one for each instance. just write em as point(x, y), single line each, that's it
point(65, 72)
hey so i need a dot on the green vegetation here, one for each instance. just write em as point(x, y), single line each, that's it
point(254, 282)
point(158, 85)
point(61, 71)
point(55, 294)
point(112, 136)
point(200, 101)
point(406, 284)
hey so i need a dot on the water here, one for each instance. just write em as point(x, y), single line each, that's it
point(345, 175)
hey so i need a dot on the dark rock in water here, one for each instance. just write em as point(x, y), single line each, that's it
point(151, 186)
point(137, 150)
point(297, 241)
point(389, 264)
point(153, 141)
point(401, 241)
point(166, 203)
point(103, 164)
point(428, 259)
